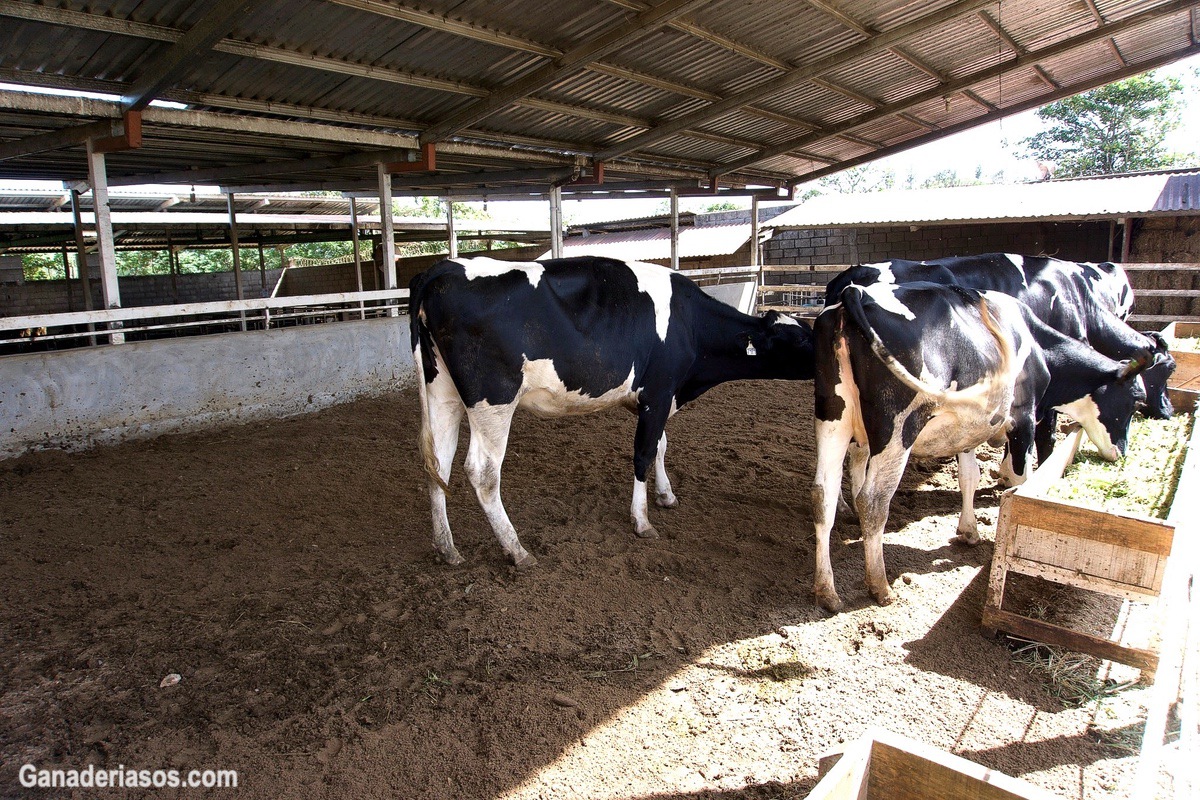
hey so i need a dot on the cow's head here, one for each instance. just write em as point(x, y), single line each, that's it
point(1155, 376)
point(1105, 414)
point(785, 344)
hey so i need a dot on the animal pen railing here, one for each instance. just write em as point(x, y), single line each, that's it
point(101, 326)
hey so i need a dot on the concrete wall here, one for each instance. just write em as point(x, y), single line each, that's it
point(76, 398)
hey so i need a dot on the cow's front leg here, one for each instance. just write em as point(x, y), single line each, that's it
point(968, 482)
point(664, 498)
point(649, 442)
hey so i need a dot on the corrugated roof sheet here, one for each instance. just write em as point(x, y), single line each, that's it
point(655, 244)
point(1118, 196)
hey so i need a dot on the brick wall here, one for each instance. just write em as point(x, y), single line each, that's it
point(53, 297)
point(1086, 241)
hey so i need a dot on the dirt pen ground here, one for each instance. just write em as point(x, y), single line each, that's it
point(285, 571)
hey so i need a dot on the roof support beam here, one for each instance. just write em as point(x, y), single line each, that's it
point(1068, 91)
point(165, 70)
point(1022, 62)
point(568, 63)
point(799, 75)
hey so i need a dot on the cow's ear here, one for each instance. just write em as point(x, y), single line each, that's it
point(1161, 345)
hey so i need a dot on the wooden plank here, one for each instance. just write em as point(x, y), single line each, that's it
point(1047, 633)
point(798, 288)
point(999, 570)
point(188, 309)
point(1124, 530)
point(1161, 267)
point(1039, 569)
point(902, 769)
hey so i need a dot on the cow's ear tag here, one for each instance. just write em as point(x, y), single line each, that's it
point(750, 351)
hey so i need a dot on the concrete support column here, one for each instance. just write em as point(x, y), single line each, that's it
point(451, 235)
point(755, 261)
point(109, 288)
point(389, 232)
point(674, 230)
point(556, 222)
point(237, 256)
point(362, 312)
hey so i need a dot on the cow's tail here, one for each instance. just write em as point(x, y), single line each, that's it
point(851, 300)
point(426, 368)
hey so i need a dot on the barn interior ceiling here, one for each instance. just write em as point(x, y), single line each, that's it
point(475, 97)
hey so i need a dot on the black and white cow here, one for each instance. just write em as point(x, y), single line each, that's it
point(572, 336)
point(934, 371)
point(1086, 301)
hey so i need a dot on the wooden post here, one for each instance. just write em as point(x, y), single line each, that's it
point(109, 287)
point(237, 259)
point(81, 260)
point(1127, 239)
point(674, 230)
point(362, 309)
point(755, 261)
point(556, 232)
point(172, 269)
point(450, 233)
point(389, 233)
point(1112, 235)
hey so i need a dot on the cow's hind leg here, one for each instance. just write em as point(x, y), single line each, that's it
point(833, 437)
point(443, 415)
point(485, 456)
point(882, 477)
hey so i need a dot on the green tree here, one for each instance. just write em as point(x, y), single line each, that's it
point(1113, 129)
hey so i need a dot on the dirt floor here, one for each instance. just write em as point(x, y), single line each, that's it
point(285, 572)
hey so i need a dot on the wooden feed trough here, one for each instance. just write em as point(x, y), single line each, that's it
point(1183, 387)
point(884, 766)
point(1134, 557)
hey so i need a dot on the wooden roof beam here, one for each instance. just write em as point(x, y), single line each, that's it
point(795, 76)
point(568, 63)
point(1028, 60)
point(169, 66)
point(1028, 105)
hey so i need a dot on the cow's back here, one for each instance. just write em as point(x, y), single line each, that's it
point(594, 320)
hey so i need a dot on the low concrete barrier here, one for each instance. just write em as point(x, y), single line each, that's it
point(77, 398)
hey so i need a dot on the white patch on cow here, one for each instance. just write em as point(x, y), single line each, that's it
point(1019, 263)
point(1087, 413)
point(885, 271)
point(884, 295)
point(784, 319)
point(543, 392)
point(656, 282)
point(483, 267)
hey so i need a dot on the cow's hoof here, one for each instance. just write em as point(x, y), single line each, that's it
point(648, 533)
point(451, 557)
point(884, 597)
point(969, 538)
point(524, 561)
point(666, 501)
point(828, 599)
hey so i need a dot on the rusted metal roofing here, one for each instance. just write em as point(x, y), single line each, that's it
point(655, 244)
point(1151, 194)
point(305, 93)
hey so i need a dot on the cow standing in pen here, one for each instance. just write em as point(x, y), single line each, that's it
point(573, 336)
point(934, 371)
point(1086, 301)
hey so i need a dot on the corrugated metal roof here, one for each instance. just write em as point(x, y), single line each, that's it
point(1117, 196)
point(366, 75)
point(655, 244)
